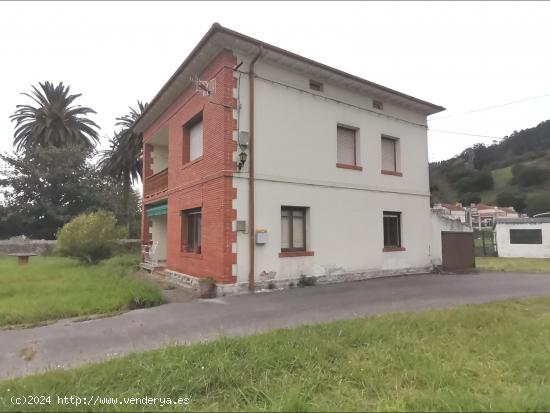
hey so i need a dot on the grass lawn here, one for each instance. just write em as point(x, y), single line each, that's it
point(513, 264)
point(51, 288)
point(472, 358)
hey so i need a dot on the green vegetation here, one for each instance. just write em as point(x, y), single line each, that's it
point(491, 357)
point(51, 288)
point(513, 264)
point(53, 175)
point(519, 167)
point(88, 237)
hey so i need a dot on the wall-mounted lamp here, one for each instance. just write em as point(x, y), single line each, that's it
point(242, 160)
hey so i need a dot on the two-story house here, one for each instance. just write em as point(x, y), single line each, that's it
point(261, 165)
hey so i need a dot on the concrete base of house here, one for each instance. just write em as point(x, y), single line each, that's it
point(283, 283)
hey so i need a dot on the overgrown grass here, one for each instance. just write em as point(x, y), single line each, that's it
point(513, 264)
point(492, 357)
point(50, 288)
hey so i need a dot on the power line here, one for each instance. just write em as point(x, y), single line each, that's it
point(490, 107)
point(464, 133)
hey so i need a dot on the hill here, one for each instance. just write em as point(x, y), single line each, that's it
point(514, 172)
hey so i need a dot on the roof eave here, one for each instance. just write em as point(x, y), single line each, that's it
point(140, 126)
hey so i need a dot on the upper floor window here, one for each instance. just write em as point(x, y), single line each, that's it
point(390, 155)
point(193, 140)
point(346, 146)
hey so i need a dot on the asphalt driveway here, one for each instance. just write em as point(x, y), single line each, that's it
point(68, 343)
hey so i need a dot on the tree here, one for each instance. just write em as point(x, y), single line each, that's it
point(513, 199)
point(123, 160)
point(47, 187)
point(475, 182)
point(527, 176)
point(54, 121)
point(537, 204)
point(470, 198)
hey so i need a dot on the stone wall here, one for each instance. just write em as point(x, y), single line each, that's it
point(44, 247)
point(39, 247)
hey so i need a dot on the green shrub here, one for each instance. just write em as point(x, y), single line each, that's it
point(530, 175)
point(537, 204)
point(511, 198)
point(88, 237)
point(476, 181)
point(470, 198)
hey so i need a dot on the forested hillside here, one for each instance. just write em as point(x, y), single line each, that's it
point(514, 172)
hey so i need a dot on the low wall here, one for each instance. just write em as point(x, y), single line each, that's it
point(443, 223)
point(35, 246)
point(42, 246)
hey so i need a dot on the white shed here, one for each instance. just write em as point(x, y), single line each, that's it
point(523, 237)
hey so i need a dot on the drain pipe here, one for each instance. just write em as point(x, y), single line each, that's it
point(251, 226)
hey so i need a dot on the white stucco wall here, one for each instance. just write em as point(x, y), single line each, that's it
point(160, 158)
point(505, 249)
point(158, 233)
point(295, 164)
point(440, 223)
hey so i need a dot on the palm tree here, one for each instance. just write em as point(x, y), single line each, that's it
point(54, 120)
point(123, 160)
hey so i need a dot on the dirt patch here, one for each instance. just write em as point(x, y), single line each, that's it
point(27, 353)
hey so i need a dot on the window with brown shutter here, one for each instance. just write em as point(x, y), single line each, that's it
point(347, 146)
point(389, 152)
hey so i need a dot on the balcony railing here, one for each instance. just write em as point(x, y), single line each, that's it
point(155, 183)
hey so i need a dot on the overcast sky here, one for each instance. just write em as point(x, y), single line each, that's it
point(463, 56)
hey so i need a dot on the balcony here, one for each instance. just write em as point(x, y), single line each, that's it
point(155, 184)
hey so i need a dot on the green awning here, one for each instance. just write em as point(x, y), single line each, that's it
point(156, 210)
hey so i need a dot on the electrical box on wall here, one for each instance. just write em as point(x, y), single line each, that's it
point(243, 139)
point(261, 236)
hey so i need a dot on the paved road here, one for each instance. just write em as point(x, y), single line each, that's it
point(68, 344)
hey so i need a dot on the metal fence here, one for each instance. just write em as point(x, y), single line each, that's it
point(485, 243)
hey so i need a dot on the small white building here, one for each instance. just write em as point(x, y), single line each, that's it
point(523, 237)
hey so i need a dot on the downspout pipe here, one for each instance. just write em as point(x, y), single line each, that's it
point(251, 225)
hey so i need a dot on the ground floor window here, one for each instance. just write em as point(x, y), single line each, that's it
point(525, 236)
point(191, 228)
point(293, 228)
point(392, 229)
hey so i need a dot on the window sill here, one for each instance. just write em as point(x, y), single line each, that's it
point(185, 254)
point(393, 249)
point(194, 161)
point(284, 254)
point(394, 173)
point(347, 166)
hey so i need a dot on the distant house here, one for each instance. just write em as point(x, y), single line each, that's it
point(484, 216)
point(453, 211)
point(523, 237)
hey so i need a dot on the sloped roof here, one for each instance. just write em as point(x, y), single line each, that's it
point(218, 38)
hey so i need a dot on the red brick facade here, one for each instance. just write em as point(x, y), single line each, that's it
point(206, 182)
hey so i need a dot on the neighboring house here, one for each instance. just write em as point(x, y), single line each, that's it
point(274, 166)
point(523, 237)
point(483, 216)
point(454, 211)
